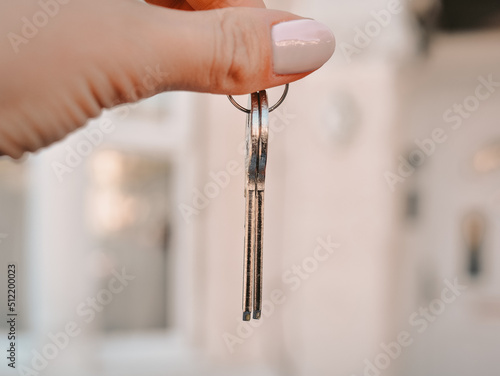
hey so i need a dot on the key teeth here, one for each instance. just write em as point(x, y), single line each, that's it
point(247, 315)
point(257, 315)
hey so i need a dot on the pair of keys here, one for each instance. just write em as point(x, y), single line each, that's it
point(257, 138)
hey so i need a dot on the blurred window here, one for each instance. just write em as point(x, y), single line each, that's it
point(130, 212)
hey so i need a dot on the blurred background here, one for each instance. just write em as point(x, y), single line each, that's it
point(382, 241)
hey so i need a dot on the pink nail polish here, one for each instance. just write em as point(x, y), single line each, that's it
point(301, 46)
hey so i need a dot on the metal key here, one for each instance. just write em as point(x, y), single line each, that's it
point(251, 171)
point(257, 136)
point(261, 181)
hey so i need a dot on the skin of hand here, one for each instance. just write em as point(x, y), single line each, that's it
point(63, 61)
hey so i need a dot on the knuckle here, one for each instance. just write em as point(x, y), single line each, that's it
point(236, 51)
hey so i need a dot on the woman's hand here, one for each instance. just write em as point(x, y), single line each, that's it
point(63, 61)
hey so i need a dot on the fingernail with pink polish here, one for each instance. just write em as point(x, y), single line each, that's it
point(301, 46)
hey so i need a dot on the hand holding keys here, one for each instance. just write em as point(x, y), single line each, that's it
point(257, 136)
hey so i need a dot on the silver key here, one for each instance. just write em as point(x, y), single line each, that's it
point(261, 181)
point(257, 137)
point(251, 172)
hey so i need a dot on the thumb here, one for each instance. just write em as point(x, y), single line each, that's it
point(234, 50)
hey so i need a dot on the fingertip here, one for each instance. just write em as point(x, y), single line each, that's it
point(300, 46)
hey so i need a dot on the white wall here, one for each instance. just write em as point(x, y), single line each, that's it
point(464, 339)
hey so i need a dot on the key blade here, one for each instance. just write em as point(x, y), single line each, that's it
point(261, 180)
point(251, 170)
point(248, 267)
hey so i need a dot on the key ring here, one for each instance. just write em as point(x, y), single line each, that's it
point(271, 109)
